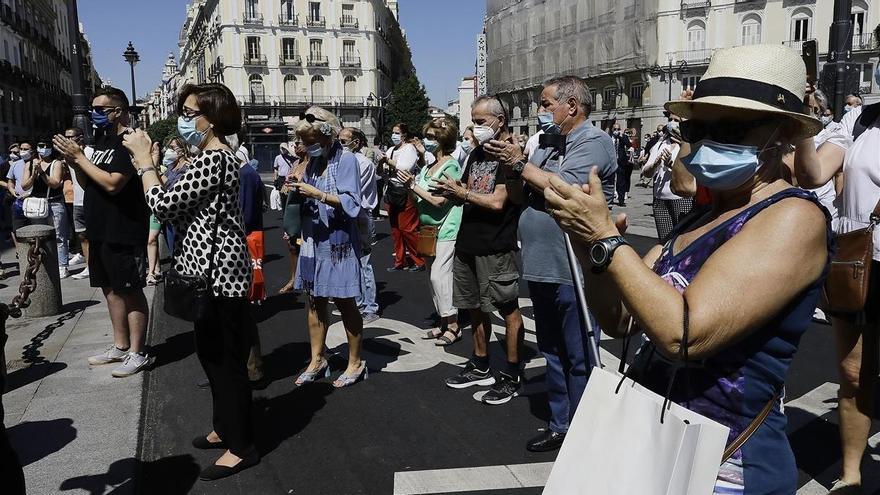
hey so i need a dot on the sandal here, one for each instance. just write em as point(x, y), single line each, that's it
point(432, 334)
point(151, 280)
point(287, 289)
point(444, 341)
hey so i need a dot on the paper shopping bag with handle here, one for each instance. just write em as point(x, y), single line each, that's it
point(621, 442)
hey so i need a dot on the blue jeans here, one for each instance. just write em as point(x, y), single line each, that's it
point(62, 229)
point(366, 301)
point(562, 340)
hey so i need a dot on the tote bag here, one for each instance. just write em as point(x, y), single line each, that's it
point(621, 442)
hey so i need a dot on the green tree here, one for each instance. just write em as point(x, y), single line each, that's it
point(163, 129)
point(408, 104)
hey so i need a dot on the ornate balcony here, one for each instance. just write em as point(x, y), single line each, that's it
point(348, 22)
point(318, 61)
point(288, 21)
point(316, 21)
point(251, 60)
point(252, 19)
point(350, 61)
point(291, 61)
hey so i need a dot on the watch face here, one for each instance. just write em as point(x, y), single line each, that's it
point(598, 254)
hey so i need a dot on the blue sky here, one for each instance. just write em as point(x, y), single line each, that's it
point(442, 35)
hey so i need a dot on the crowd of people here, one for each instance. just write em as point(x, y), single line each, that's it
point(748, 188)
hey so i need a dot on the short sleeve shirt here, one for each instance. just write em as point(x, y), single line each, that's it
point(16, 173)
point(543, 247)
point(484, 232)
point(282, 166)
point(120, 218)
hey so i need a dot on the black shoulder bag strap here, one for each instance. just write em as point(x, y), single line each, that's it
point(209, 275)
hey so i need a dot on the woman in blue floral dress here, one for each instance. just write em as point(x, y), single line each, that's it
point(329, 258)
point(745, 276)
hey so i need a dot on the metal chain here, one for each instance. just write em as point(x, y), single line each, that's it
point(29, 279)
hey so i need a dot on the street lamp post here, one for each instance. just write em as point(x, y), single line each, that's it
point(381, 104)
point(78, 97)
point(132, 57)
point(668, 71)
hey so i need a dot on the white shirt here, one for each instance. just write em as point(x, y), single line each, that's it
point(532, 145)
point(827, 194)
point(861, 179)
point(663, 172)
point(369, 198)
point(78, 192)
point(405, 158)
point(459, 154)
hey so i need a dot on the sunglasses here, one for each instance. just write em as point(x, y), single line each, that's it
point(729, 132)
point(311, 119)
point(103, 110)
point(189, 114)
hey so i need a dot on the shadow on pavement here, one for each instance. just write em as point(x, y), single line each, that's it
point(168, 476)
point(34, 440)
point(277, 304)
point(385, 298)
point(33, 373)
point(175, 348)
point(284, 416)
point(286, 361)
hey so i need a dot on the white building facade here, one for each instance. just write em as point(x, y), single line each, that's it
point(280, 56)
point(616, 43)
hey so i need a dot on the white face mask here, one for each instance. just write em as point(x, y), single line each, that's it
point(826, 119)
point(484, 133)
point(395, 138)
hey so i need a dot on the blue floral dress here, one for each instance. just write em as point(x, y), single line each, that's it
point(734, 385)
point(329, 258)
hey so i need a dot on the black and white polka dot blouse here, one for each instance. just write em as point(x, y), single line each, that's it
point(191, 206)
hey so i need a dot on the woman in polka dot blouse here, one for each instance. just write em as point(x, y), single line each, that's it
point(329, 259)
point(204, 200)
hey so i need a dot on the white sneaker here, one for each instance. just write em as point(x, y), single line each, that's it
point(134, 363)
point(81, 275)
point(63, 272)
point(77, 259)
point(113, 354)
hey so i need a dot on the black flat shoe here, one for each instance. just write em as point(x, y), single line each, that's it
point(204, 444)
point(545, 442)
point(215, 472)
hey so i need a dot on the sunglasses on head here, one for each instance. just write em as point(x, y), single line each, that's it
point(311, 119)
point(729, 132)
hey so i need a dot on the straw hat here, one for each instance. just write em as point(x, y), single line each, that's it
point(758, 78)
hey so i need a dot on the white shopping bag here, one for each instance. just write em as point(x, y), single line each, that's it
point(275, 199)
point(616, 445)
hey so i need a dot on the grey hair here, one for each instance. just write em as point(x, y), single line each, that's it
point(357, 134)
point(493, 104)
point(329, 127)
point(821, 99)
point(572, 87)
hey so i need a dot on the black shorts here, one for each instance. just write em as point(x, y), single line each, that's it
point(117, 266)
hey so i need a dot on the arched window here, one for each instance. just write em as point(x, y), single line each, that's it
point(350, 89)
point(517, 113)
point(751, 30)
point(290, 88)
point(801, 24)
point(696, 36)
point(859, 18)
point(317, 88)
point(258, 94)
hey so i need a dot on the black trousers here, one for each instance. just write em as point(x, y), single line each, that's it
point(11, 474)
point(223, 344)
point(624, 180)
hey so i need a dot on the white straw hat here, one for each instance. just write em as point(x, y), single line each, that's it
point(760, 78)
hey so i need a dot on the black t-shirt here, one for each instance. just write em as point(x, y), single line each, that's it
point(483, 232)
point(122, 218)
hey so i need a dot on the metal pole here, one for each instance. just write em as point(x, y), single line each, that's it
point(592, 347)
point(840, 52)
point(134, 115)
point(80, 109)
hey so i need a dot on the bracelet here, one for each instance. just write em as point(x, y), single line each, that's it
point(467, 195)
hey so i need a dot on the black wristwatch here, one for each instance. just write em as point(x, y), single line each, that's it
point(518, 167)
point(602, 251)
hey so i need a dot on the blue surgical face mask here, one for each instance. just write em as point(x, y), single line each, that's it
point(45, 152)
point(466, 146)
point(100, 120)
point(672, 125)
point(546, 124)
point(826, 119)
point(189, 133)
point(846, 109)
point(315, 150)
point(395, 138)
point(720, 166)
point(169, 158)
point(430, 145)
point(26, 155)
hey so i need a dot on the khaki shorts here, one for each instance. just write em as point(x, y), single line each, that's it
point(485, 282)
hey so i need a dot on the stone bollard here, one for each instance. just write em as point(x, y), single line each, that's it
point(45, 300)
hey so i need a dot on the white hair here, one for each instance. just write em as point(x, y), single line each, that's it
point(325, 123)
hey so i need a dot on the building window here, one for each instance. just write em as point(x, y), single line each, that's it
point(314, 11)
point(800, 25)
point(689, 83)
point(751, 30)
point(258, 94)
point(252, 9)
point(317, 88)
point(636, 90)
point(288, 48)
point(253, 47)
point(696, 36)
point(348, 18)
point(609, 97)
point(290, 89)
point(287, 10)
point(315, 49)
point(348, 51)
point(350, 89)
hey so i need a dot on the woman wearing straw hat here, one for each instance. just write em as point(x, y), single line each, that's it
point(717, 279)
point(857, 153)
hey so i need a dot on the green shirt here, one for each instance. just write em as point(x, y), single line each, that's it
point(447, 215)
